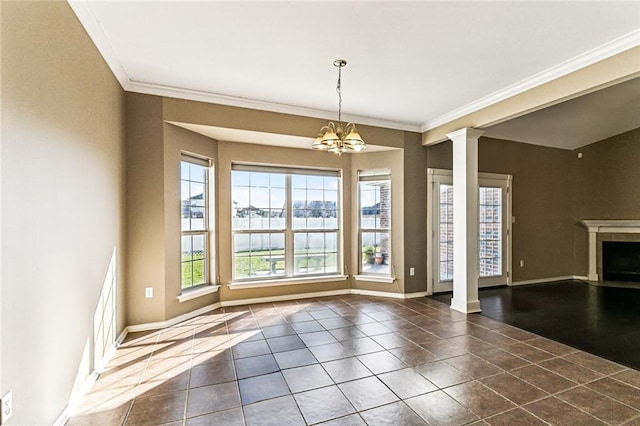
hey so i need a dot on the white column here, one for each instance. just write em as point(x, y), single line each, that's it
point(465, 220)
point(593, 262)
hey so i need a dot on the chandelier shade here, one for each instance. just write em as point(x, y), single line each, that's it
point(338, 139)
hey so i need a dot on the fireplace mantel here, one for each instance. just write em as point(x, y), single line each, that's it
point(597, 226)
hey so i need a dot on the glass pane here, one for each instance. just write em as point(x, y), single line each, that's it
point(278, 198)
point(187, 277)
point(199, 247)
point(331, 182)
point(259, 197)
point(376, 253)
point(197, 219)
point(199, 272)
point(331, 263)
point(259, 179)
point(316, 242)
point(299, 219)
point(199, 173)
point(184, 170)
point(298, 181)
point(277, 180)
point(241, 244)
point(240, 178)
point(240, 197)
point(315, 182)
point(300, 243)
point(186, 248)
point(490, 230)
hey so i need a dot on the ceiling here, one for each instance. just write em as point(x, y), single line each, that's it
point(411, 65)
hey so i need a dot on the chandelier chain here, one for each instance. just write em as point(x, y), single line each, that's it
point(339, 90)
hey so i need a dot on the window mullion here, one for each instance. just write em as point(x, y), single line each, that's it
point(288, 237)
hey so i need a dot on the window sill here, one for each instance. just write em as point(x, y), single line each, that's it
point(201, 291)
point(374, 278)
point(286, 281)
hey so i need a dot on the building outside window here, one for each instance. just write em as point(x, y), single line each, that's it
point(285, 222)
point(194, 189)
point(374, 199)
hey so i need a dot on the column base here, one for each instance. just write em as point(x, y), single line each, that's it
point(471, 307)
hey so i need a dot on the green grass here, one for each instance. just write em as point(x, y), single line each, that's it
point(193, 273)
point(254, 265)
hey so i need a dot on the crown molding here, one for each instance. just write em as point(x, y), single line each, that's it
point(216, 98)
point(83, 11)
point(607, 50)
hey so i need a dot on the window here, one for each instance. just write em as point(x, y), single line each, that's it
point(285, 222)
point(194, 189)
point(374, 198)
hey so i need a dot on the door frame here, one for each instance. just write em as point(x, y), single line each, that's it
point(437, 176)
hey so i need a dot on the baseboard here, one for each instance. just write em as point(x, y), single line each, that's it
point(546, 280)
point(98, 369)
point(173, 321)
point(363, 292)
point(286, 297)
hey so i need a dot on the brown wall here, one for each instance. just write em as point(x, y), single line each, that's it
point(542, 234)
point(63, 204)
point(605, 185)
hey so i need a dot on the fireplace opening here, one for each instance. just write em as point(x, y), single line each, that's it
point(621, 261)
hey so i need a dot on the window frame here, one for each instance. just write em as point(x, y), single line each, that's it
point(208, 241)
point(366, 176)
point(289, 275)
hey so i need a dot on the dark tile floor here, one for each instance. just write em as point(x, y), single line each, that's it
point(604, 321)
point(355, 360)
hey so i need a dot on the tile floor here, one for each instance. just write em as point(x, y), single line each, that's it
point(355, 360)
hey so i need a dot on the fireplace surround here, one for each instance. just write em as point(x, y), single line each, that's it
point(607, 230)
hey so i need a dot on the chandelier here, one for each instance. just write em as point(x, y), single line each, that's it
point(338, 138)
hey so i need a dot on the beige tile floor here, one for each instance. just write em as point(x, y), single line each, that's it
point(355, 360)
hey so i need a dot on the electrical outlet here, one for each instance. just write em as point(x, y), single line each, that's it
point(412, 271)
point(7, 408)
point(522, 263)
point(148, 292)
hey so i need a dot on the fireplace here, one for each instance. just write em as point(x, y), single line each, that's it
point(621, 261)
point(604, 231)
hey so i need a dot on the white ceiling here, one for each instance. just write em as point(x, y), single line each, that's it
point(411, 65)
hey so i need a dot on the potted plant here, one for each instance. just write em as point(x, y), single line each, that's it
point(368, 254)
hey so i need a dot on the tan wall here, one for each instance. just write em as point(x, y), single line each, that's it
point(415, 213)
point(392, 160)
point(542, 234)
point(265, 121)
point(145, 209)
point(605, 185)
point(62, 202)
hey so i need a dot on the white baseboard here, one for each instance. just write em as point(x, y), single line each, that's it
point(388, 294)
point(286, 297)
point(77, 397)
point(173, 321)
point(547, 280)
